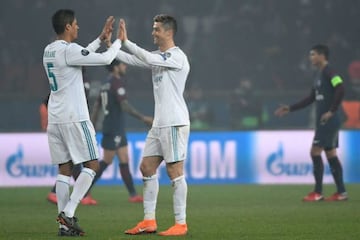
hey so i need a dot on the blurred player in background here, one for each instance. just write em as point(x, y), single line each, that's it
point(113, 101)
point(168, 138)
point(327, 92)
point(71, 134)
point(51, 197)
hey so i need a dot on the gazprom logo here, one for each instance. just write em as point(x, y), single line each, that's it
point(276, 165)
point(16, 167)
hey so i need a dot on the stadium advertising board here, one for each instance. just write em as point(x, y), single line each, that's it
point(284, 157)
point(265, 157)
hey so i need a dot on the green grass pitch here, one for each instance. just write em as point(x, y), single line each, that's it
point(214, 212)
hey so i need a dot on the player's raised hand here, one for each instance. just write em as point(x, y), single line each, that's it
point(122, 34)
point(107, 40)
point(282, 110)
point(108, 28)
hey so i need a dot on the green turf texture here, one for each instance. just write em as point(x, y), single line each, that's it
point(214, 212)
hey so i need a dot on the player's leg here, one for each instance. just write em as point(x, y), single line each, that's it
point(337, 173)
point(150, 192)
point(149, 164)
point(61, 156)
point(123, 155)
point(109, 145)
point(318, 167)
point(330, 141)
point(81, 186)
point(63, 195)
point(318, 172)
point(76, 171)
point(51, 197)
point(87, 200)
point(175, 140)
point(104, 163)
point(63, 185)
point(81, 143)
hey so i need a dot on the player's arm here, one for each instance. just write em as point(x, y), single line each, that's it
point(127, 107)
point(285, 109)
point(43, 116)
point(304, 102)
point(121, 96)
point(43, 110)
point(155, 59)
point(339, 92)
point(131, 59)
point(94, 45)
point(75, 55)
point(78, 56)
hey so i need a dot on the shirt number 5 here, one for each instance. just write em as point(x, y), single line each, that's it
point(52, 78)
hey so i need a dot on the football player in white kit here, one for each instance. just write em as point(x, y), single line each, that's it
point(168, 138)
point(71, 135)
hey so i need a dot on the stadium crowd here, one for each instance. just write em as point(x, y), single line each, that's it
point(265, 42)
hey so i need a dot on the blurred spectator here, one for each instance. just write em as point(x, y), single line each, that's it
point(201, 116)
point(353, 89)
point(263, 39)
point(245, 110)
point(351, 103)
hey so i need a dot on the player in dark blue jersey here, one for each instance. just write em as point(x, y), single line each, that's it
point(327, 92)
point(113, 101)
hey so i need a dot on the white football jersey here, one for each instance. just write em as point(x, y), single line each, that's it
point(169, 74)
point(63, 63)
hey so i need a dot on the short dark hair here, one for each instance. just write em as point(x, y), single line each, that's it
point(167, 21)
point(61, 18)
point(111, 66)
point(322, 49)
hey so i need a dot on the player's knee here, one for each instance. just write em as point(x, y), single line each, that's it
point(315, 151)
point(124, 158)
point(65, 168)
point(92, 164)
point(146, 169)
point(174, 170)
point(108, 161)
point(330, 153)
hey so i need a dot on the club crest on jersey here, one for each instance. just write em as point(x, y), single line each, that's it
point(121, 91)
point(84, 52)
point(165, 55)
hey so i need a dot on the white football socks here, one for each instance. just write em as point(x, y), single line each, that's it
point(62, 189)
point(150, 192)
point(179, 199)
point(81, 186)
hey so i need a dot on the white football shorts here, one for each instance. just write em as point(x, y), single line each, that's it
point(72, 141)
point(171, 143)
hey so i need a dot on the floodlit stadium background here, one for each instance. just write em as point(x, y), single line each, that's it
point(252, 51)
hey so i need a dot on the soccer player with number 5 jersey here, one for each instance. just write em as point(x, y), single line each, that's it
point(71, 135)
